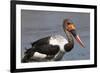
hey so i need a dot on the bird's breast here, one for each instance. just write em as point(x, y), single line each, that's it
point(58, 40)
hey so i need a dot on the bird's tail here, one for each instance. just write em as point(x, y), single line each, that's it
point(28, 54)
point(25, 59)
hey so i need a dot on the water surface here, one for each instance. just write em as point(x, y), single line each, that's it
point(39, 24)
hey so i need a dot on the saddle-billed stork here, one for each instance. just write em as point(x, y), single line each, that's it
point(52, 48)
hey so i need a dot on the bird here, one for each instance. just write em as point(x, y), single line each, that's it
point(53, 48)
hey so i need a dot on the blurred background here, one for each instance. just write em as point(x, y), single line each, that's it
point(38, 24)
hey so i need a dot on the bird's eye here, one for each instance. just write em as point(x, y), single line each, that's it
point(68, 23)
point(71, 27)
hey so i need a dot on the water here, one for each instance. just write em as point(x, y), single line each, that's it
point(39, 24)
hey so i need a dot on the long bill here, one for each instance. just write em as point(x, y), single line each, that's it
point(76, 36)
point(79, 41)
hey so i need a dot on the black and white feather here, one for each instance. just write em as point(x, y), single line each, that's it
point(52, 48)
point(46, 49)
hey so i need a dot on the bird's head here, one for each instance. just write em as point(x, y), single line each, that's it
point(71, 28)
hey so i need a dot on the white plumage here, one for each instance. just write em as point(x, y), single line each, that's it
point(39, 55)
point(58, 40)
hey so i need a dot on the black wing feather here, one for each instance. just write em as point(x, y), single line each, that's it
point(41, 46)
point(40, 42)
point(44, 49)
point(48, 49)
